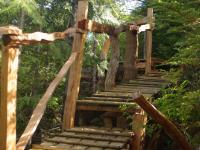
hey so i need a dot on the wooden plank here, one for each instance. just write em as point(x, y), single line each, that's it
point(91, 136)
point(45, 147)
point(148, 43)
point(41, 106)
point(107, 103)
point(101, 131)
point(75, 71)
point(8, 98)
point(130, 71)
point(87, 143)
point(37, 37)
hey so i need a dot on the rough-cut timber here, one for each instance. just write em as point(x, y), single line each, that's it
point(10, 30)
point(96, 27)
point(8, 98)
point(105, 49)
point(37, 37)
point(171, 129)
point(148, 42)
point(41, 106)
point(75, 71)
point(113, 64)
point(130, 70)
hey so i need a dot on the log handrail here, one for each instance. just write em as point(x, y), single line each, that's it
point(16, 37)
point(171, 128)
point(41, 106)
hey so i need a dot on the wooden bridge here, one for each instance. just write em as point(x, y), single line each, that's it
point(108, 101)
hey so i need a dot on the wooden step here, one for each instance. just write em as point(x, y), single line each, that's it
point(88, 139)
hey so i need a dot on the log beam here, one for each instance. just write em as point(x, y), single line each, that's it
point(75, 71)
point(171, 129)
point(8, 98)
point(36, 38)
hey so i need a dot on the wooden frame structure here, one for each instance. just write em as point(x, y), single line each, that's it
point(14, 37)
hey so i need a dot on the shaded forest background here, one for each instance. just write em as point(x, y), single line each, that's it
point(176, 39)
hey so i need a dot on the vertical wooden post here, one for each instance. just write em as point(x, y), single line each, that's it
point(8, 98)
point(148, 43)
point(75, 71)
point(114, 63)
point(130, 71)
point(139, 121)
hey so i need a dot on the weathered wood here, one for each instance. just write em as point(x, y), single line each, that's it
point(138, 126)
point(171, 129)
point(37, 37)
point(113, 64)
point(148, 43)
point(130, 70)
point(8, 98)
point(75, 71)
point(41, 106)
point(10, 30)
point(105, 49)
point(96, 27)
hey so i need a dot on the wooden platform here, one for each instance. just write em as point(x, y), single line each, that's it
point(110, 100)
point(88, 139)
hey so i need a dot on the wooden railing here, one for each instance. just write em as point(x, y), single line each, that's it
point(41, 106)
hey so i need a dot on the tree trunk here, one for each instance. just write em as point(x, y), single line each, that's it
point(130, 71)
point(114, 63)
point(171, 129)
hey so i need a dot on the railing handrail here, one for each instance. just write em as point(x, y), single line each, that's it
point(41, 106)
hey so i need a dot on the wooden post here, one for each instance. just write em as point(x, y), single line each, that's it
point(8, 98)
point(114, 63)
point(75, 71)
point(139, 121)
point(130, 71)
point(148, 43)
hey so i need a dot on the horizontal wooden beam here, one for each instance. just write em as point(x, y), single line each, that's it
point(10, 30)
point(96, 27)
point(19, 38)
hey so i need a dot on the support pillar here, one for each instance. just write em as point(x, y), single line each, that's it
point(148, 42)
point(130, 70)
point(75, 71)
point(8, 97)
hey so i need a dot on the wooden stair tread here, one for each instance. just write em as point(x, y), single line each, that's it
point(87, 139)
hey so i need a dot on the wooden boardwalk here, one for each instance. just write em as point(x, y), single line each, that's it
point(108, 101)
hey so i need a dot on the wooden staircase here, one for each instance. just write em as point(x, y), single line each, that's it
point(85, 138)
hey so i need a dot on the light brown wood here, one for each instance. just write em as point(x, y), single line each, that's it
point(138, 126)
point(37, 37)
point(130, 70)
point(75, 71)
point(10, 30)
point(41, 106)
point(113, 64)
point(96, 27)
point(171, 129)
point(148, 42)
point(8, 98)
point(105, 49)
